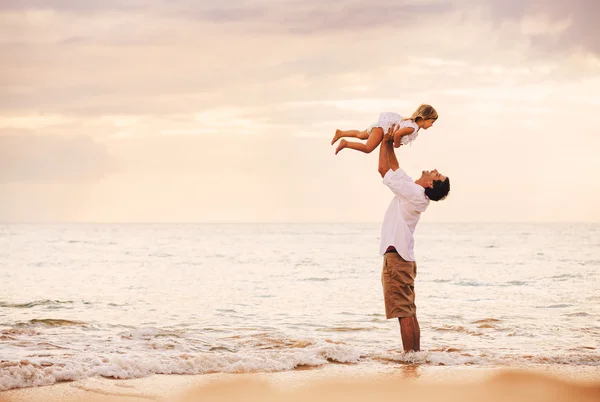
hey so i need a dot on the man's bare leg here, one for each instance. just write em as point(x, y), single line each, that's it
point(408, 333)
point(417, 334)
point(361, 135)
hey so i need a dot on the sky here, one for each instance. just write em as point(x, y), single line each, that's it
point(223, 111)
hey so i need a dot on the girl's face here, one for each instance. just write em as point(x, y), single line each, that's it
point(428, 123)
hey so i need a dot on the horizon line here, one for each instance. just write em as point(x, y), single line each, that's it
point(271, 222)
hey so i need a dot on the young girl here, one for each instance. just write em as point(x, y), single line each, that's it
point(405, 130)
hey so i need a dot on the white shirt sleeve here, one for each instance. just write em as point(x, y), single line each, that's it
point(407, 139)
point(403, 187)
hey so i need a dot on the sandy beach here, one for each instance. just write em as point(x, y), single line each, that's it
point(335, 382)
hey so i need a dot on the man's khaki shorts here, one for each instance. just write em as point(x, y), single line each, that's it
point(398, 280)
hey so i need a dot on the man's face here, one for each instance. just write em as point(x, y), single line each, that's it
point(432, 175)
point(428, 123)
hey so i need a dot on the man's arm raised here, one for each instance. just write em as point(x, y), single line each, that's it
point(387, 143)
point(384, 164)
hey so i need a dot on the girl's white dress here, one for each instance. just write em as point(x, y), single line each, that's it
point(388, 119)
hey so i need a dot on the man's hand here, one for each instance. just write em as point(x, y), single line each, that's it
point(389, 136)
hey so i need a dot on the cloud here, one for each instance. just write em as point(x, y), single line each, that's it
point(307, 18)
point(294, 12)
point(579, 20)
point(37, 158)
point(313, 17)
point(77, 6)
point(284, 63)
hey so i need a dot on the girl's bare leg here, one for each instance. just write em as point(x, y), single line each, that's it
point(374, 139)
point(363, 135)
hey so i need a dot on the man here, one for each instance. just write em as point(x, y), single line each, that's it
point(411, 198)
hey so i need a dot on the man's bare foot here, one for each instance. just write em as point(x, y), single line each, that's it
point(342, 145)
point(337, 136)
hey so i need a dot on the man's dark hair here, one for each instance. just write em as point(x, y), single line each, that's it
point(439, 191)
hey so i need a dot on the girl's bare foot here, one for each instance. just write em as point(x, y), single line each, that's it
point(336, 136)
point(342, 145)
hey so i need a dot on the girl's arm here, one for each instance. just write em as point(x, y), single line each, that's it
point(401, 132)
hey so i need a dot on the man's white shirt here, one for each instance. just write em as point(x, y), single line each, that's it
point(402, 214)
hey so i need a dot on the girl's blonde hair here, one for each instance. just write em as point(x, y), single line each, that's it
point(425, 112)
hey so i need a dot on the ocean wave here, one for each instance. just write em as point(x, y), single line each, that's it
point(20, 331)
point(486, 321)
point(515, 283)
point(555, 306)
point(573, 359)
point(566, 276)
point(458, 357)
point(226, 310)
point(35, 303)
point(27, 373)
point(446, 357)
point(472, 283)
point(50, 322)
point(459, 329)
point(266, 341)
point(150, 333)
point(315, 279)
point(39, 370)
point(345, 329)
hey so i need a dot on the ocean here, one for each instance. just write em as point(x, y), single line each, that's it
point(132, 300)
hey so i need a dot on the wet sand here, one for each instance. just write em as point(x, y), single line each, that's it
point(336, 383)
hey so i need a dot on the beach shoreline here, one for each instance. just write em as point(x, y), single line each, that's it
point(449, 380)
